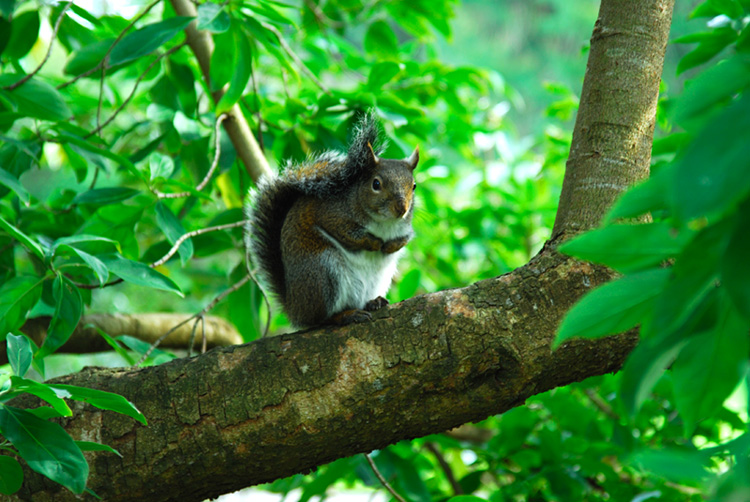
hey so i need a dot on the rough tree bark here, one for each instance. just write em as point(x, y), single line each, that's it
point(242, 415)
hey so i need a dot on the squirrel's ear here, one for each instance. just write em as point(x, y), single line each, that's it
point(374, 158)
point(413, 159)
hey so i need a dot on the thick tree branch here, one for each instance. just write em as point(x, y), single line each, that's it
point(286, 404)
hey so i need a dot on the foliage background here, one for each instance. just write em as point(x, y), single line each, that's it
point(488, 95)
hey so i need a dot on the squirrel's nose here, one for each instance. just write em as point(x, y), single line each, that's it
point(401, 207)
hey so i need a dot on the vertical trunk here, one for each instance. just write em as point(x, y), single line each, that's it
point(614, 128)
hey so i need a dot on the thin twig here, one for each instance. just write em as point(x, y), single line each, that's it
point(202, 313)
point(382, 479)
point(202, 320)
point(135, 87)
point(49, 51)
point(457, 490)
point(105, 59)
point(601, 404)
point(209, 174)
point(296, 58)
point(321, 17)
point(188, 235)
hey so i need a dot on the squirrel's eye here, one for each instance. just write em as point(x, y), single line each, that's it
point(376, 184)
point(414, 187)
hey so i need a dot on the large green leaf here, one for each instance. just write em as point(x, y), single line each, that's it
point(138, 273)
point(614, 307)
point(710, 366)
point(719, 83)
point(241, 65)
point(710, 44)
point(45, 447)
point(102, 399)
point(37, 99)
point(68, 311)
point(11, 475)
point(713, 175)
point(19, 353)
point(17, 297)
point(147, 39)
point(24, 31)
point(627, 247)
point(646, 197)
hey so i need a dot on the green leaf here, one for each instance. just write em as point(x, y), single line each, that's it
point(241, 67)
point(88, 57)
point(646, 197)
point(37, 99)
point(735, 272)
point(20, 354)
point(681, 466)
point(43, 391)
point(627, 248)
point(24, 31)
point(45, 412)
point(138, 273)
point(645, 365)
point(714, 173)
point(710, 366)
point(147, 39)
point(141, 347)
point(68, 311)
point(380, 40)
point(79, 238)
point(213, 18)
point(614, 307)
point(718, 83)
point(94, 263)
point(161, 166)
point(21, 237)
point(381, 74)
point(102, 399)
point(114, 344)
point(11, 475)
point(173, 229)
point(104, 196)
point(730, 8)
point(12, 182)
point(711, 43)
point(67, 137)
point(91, 446)
point(466, 498)
point(17, 297)
point(45, 447)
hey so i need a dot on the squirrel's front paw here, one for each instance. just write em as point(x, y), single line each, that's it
point(376, 304)
point(350, 316)
point(394, 245)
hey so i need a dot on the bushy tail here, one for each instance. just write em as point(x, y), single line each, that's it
point(266, 210)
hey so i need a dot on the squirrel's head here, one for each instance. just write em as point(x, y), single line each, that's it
point(387, 192)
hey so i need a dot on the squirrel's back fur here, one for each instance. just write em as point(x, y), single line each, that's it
point(322, 176)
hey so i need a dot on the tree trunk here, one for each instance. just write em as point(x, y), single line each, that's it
point(243, 415)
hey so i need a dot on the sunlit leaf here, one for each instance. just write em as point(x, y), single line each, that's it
point(45, 447)
point(614, 307)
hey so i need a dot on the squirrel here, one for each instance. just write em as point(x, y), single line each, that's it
point(326, 234)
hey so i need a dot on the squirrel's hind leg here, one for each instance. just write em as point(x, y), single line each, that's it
point(376, 304)
point(349, 316)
